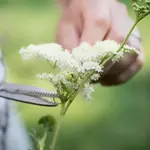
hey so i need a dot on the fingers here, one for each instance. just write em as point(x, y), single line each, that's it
point(124, 76)
point(130, 71)
point(123, 70)
point(96, 24)
point(67, 34)
point(130, 64)
point(127, 60)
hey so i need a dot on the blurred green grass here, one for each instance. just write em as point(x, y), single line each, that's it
point(117, 118)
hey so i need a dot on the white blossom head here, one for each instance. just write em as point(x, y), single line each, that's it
point(83, 65)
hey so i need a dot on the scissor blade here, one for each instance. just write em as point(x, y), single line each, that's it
point(28, 99)
point(2, 69)
point(27, 90)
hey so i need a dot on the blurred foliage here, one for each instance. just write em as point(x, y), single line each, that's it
point(117, 118)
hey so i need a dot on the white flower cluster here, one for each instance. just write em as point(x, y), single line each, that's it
point(75, 66)
point(51, 52)
point(87, 90)
point(61, 81)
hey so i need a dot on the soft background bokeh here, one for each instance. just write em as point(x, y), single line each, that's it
point(117, 118)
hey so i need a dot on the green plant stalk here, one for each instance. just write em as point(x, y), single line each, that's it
point(124, 42)
point(42, 141)
point(56, 130)
point(75, 93)
point(52, 147)
point(127, 37)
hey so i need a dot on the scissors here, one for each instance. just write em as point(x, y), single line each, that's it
point(24, 93)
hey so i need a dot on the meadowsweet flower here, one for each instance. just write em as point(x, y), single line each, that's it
point(97, 52)
point(41, 51)
point(51, 52)
point(87, 90)
point(107, 46)
point(129, 49)
point(60, 80)
point(74, 67)
point(89, 66)
point(95, 77)
point(46, 76)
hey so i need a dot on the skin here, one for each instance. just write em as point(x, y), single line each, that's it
point(93, 20)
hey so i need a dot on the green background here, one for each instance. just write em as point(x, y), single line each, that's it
point(117, 118)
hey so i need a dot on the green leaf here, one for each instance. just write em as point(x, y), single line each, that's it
point(48, 122)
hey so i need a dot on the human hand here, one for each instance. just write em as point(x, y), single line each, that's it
point(93, 20)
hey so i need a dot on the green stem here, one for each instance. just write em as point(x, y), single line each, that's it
point(67, 106)
point(57, 128)
point(72, 97)
point(146, 14)
point(123, 43)
point(42, 142)
point(55, 134)
point(127, 37)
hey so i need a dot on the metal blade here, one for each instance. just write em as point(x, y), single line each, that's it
point(2, 69)
point(27, 90)
point(28, 99)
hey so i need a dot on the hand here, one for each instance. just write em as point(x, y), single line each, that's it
point(92, 20)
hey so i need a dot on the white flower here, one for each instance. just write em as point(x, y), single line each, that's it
point(89, 65)
point(74, 67)
point(59, 80)
point(107, 46)
point(97, 52)
point(84, 52)
point(42, 50)
point(129, 49)
point(87, 90)
point(118, 56)
point(66, 61)
point(51, 52)
point(45, 76)
point(95, 76)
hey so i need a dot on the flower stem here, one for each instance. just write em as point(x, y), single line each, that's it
point(56, 131)
point(75, 93)
point(123, 43)
point(42, 142)
point(127, 37)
